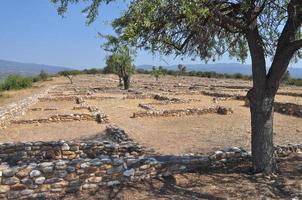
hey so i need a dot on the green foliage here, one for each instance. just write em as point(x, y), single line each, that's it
point(156, 72)
point(70, 73)
point(16, 82)
point(43, 76)
point(120, 63)
point(92, 71)
point(181, 69)
point(295, 82)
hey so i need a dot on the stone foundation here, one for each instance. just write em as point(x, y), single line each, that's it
point(42, 169)
point(183, 112)
point(99, 117)
point(13, 110)
point(285, 108)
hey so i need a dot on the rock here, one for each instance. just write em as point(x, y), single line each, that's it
point(26, 192)
point(129, 172)
point(70, 169)
point(65, 147)
point(18, 187)
point(10, 181)
point(27, 181)
point(35, 173)
point(89, 186)
point(46, 164)
point(143, 167)
point(4, 189)
point(8, 172)
point(95, 179)
point(40, 180)
point(224, 111)
point(60, 173)
point(23, 172)
point(113, 183)
point(84, 165)
point(47, 170)
point(13, 195)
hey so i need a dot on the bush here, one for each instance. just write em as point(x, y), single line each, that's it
point(296, 82)
point(43, 75)
point(16, 82)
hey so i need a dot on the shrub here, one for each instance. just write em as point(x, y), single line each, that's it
point(43, 75)
point(16, 82)
point(296, 82)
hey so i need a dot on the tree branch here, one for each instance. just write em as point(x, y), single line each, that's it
point(287, 45)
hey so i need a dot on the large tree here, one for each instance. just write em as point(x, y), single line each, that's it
point(263, 29)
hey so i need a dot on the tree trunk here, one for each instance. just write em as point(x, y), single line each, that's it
point(126, 80)
point(70, 79)
point(262, 112)
point(120, 81)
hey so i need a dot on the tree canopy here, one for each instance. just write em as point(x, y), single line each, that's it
point(209, 29)
point(120, 63)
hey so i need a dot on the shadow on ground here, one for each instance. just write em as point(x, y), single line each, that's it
point(235, 182)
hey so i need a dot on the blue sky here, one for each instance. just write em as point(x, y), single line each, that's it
point(31, 31)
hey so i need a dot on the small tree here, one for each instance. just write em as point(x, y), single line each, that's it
point(43, 75)
point(181, 69)
point(120, 63)
point(156, 72)
point(69, 74)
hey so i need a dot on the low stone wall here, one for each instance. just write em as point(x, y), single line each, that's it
point(93, 165)
point(293, 94)
point(99, 117)
point(27, 152)
point(13, 110)
point(288, 109)
point(285, 108)
point(43, 109)
point(225, 95)
point(183, 112)
point(74, 98)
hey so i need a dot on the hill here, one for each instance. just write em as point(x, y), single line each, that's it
point(27, 69)
point(229, 68)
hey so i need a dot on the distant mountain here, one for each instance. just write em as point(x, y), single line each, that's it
point(229, 68)
point(27, 69)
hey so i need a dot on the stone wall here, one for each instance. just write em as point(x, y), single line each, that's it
point(183, 112)
point(98, 117)
point(18, 108)
point(76, 167)
point(286, 108)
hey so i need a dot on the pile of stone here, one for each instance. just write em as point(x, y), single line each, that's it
point(183, 112)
